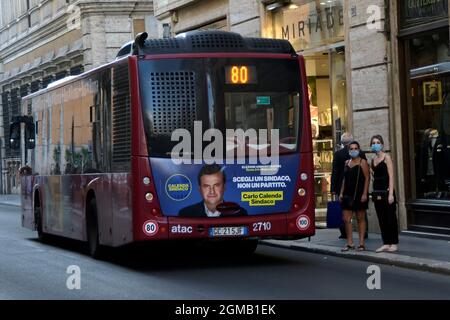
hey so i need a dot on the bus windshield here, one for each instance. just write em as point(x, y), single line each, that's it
point(256, 94)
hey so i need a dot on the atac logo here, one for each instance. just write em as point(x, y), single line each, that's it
point(303, 222)
point(181, 229)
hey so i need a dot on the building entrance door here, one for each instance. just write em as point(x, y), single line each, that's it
point(328, 106)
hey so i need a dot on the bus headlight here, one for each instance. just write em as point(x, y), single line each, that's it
point(146, 181)
point(304, 176)
point(301, 192)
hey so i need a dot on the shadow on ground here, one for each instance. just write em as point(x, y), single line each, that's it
point(173, 255)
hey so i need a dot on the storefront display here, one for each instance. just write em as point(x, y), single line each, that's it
point(310, 24)
point(316, 30)
point(430, 97)
point(424, 38)
point(327, 107)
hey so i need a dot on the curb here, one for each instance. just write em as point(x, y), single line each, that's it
point(434, 266)
point(15, 205)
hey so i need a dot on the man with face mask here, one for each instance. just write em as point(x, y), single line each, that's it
point(337, 174)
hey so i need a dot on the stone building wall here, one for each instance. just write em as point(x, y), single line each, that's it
point(241, 16)
point(43, 41)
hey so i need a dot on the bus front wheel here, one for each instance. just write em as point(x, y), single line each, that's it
point(42, 236)
point(96, 250)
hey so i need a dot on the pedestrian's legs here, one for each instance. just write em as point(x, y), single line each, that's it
point(382, 214)
point(367, 227)
point(392, 224)
point(361, 215)
point(347, 216)
point(343, 232)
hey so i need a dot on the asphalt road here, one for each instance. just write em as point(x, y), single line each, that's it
point(33, 270)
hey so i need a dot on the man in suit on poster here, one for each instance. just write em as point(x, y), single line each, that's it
point(211, 181)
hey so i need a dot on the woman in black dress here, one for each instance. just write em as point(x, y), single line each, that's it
point(354, 194)
point(383, 195)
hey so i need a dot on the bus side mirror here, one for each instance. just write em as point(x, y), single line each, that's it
point(30, 135)
point(14, 135)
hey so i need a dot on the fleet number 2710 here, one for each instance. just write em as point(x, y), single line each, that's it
point(262, 226)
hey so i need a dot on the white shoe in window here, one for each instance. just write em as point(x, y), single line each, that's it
point(393, 248)
point(383, 248)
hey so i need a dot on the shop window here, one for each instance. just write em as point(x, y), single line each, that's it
point(307, 24)
point(321, 125)
point(430, 103)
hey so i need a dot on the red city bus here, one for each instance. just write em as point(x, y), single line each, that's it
point(108, 150)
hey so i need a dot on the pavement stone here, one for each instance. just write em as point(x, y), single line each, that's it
point(395, 259)
point(10, 200)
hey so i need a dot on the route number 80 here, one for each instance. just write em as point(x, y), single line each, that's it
point(150, 228)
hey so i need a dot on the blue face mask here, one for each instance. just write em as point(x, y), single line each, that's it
point(377, 147)
point(354, 153)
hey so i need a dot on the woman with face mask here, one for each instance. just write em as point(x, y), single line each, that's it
point(354, 194)
point(383, 195)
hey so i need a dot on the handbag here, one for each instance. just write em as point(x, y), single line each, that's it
point(334, 215)
point(380, 195)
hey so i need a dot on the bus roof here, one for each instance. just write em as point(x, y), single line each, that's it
point(202, 41)
point(208, 41)
point(59, 83)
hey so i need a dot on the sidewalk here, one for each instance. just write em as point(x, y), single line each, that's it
point(418, 253)
point(10, 200)
point(414, 252)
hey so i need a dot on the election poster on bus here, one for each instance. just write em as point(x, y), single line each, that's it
point(212, 190)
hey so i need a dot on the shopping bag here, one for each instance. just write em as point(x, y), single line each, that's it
point(334, 214)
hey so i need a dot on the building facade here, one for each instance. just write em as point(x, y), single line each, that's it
point(369, 64)
point(178, 16)
point(45, 40)
point(421, 117)
point(396, 70)
point(373, 67)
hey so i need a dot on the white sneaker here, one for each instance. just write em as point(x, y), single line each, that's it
point(393, 248)
point(383, 248)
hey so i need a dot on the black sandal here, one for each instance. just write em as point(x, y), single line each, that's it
point(347, 248)
point(361, 248)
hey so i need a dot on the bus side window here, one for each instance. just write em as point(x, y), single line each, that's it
point(105, 133)
point(121, 120)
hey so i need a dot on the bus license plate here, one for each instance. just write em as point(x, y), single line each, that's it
point(228, 231)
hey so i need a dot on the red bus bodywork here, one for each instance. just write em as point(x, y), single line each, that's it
point(122, 207)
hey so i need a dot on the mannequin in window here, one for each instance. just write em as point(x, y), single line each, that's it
point(440, 161)
point(433, 164)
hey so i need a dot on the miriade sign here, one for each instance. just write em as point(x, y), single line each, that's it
point(310, 25)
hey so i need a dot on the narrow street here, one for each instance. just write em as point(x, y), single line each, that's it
point(33, 270)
